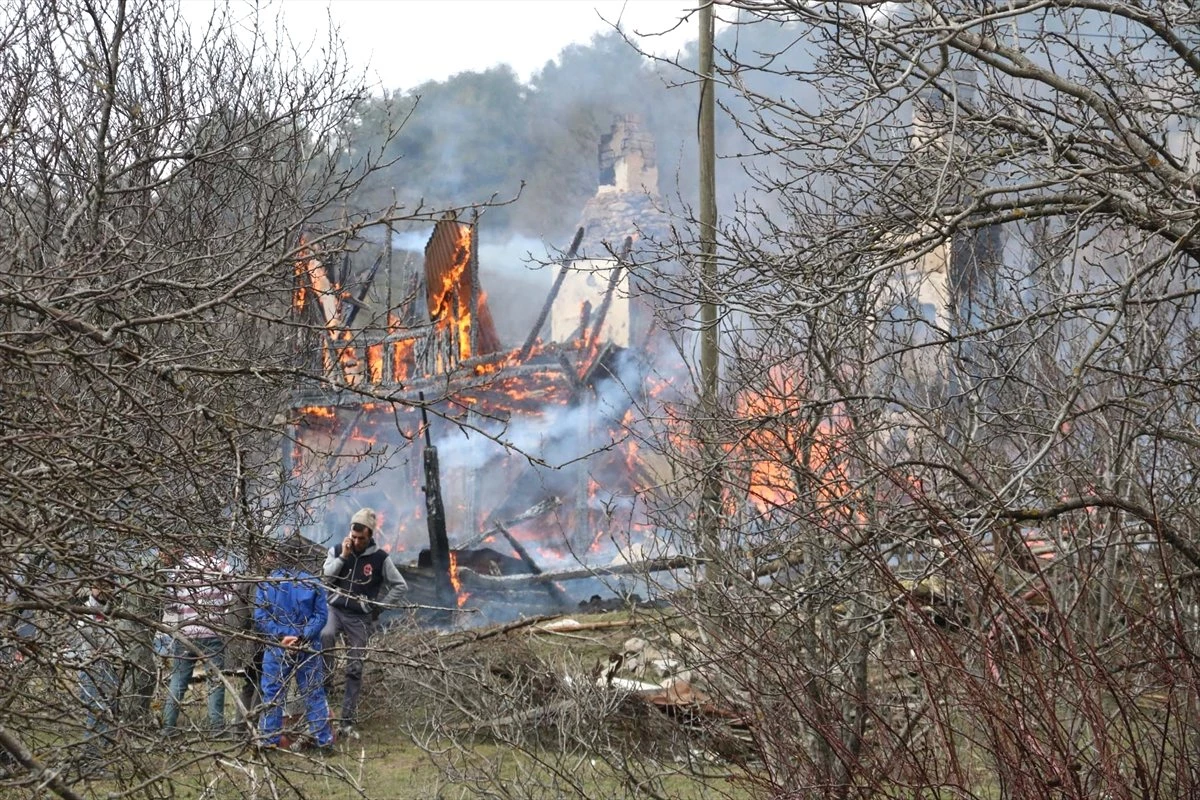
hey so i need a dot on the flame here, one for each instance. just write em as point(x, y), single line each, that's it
point(787, 452)
point(456, 580)
point(403, 352)
point(450, 311)
point(349, 361)
point(312, 277)
point(530, 391)
point(358, 436)
point(300, 295)
point(375, 362)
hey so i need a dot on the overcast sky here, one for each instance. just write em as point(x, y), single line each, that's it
point(407, 42)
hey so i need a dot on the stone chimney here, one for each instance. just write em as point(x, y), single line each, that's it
point(626, 205)
point(626, 202)
point(935, 115)
point(627, 160)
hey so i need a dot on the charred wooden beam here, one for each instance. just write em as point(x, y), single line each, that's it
point(613, 281)
point(357, 303)
point(553, 372)
point(590, 373)
point(556, 593)
point(554, 290)
point(585, 319)
point(576, 384)
point(639, 568)
point(473, 277)
point(533, 512)
point(435, 515)
point(388, 367)
point(471, 381)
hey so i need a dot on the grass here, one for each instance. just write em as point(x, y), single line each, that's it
point(386, 761)
point(379, 768)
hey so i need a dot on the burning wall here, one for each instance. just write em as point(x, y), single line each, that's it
point(535, 443)
point(532, 436)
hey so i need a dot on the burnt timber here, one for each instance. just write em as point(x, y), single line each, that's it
point(441, 343)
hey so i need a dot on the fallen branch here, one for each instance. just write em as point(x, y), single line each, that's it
point(470, 577)
point(568, 625)
point(15, 748)
point(470, 637)
point(512, 719)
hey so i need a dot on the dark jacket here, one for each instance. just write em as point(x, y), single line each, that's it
point(365, 583)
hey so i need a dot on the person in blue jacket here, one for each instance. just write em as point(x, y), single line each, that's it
point(289, 612)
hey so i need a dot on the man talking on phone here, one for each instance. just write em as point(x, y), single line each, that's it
point(363, 582)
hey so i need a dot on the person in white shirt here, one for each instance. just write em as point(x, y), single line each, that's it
point(199, 594)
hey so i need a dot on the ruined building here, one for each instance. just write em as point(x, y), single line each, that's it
point(619, 222)
point(536, 465)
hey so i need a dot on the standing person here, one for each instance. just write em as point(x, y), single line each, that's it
point(199, 595)
point(358, 572)
point(289, 612)
point(140, 597)
point(95, 650)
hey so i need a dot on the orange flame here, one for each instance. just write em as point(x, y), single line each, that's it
point(450, 310)
point(403, 352)
point(375, 362)
point(456, 580)
point(786, 448)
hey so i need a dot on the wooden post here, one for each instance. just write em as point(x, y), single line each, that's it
point(708, 514)
point(558, 282)
point(473, 276)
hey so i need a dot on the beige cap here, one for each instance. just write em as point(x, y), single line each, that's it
point(364, 516)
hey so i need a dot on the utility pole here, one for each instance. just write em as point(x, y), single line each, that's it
point(708, 518)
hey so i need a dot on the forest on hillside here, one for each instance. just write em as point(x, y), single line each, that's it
point(525, 155)
point(531, 149)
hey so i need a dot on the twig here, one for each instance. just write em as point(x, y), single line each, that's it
point(25, 758)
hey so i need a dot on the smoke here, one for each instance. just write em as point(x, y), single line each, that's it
point(512, 274)
point(551, 440)
point(413, 240)
point(488, 137)
point(574, 455)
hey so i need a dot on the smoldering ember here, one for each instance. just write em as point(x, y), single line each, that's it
point(536, 465)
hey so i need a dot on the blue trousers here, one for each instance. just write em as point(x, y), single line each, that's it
point(98, 692)
point(280, 665)
point(183, 664)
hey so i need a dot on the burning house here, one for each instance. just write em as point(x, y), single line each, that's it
point(485, 459)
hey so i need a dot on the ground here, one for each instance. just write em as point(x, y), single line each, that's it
point(457, 714)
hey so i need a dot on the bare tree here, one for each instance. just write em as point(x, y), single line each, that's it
point(156, 181)
point(959, 401)
point(958, 533)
